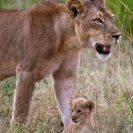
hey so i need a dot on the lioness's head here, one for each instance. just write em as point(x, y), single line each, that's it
point(81, 109)
point(94, 25)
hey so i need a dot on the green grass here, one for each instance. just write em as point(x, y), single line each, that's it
point(123, 15)
point(109, 84)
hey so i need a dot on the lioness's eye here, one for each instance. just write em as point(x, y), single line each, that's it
point(78, 111)
point(113, 19)
point(98, 20)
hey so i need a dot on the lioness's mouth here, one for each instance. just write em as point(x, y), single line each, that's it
point(102, 49)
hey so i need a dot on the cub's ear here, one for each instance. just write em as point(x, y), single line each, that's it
point(89, 104)
point(99, 1)
point(75, 8)
point(70, 100)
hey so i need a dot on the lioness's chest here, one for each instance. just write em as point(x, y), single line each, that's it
point(46, 67)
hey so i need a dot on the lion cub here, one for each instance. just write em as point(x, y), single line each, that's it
point(81, 116)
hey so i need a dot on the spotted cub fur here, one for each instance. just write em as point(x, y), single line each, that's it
point(81, 116)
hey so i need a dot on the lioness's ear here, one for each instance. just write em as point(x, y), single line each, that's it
point(89, 104)
point(75, 8)
point(99, 1)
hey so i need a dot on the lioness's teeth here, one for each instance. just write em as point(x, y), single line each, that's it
point(104, 48)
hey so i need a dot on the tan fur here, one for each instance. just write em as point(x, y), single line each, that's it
point(81, 117)
point(47, 39)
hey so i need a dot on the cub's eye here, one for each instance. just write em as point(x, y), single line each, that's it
point(79, 111)
point(98, 20)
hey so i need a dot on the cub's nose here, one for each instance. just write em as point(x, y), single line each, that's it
point(73, 119)
point(116, 36)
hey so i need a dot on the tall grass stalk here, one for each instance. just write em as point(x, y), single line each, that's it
point(125, 91)
point(128, 99)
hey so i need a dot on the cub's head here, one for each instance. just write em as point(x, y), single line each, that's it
point(94, 25)
point(81, 110)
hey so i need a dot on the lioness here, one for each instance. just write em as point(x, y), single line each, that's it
point(47, 39)
point(81, 116)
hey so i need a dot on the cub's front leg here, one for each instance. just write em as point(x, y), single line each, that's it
point(65, 83)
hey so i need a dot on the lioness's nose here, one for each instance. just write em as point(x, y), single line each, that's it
point(116, 36)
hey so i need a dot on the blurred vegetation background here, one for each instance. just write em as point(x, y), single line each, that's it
point(123, 10)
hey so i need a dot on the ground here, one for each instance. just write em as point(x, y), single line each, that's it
point(108, 84)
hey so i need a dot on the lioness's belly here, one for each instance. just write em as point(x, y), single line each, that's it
point(8, 62)
point(7, 69)
point(42, 70)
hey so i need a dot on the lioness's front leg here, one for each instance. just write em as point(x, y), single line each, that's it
point(65, 83)
point(64, 88)
point(23, 93)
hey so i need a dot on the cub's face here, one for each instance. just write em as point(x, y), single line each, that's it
point(81, 109)
point(95, 26)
